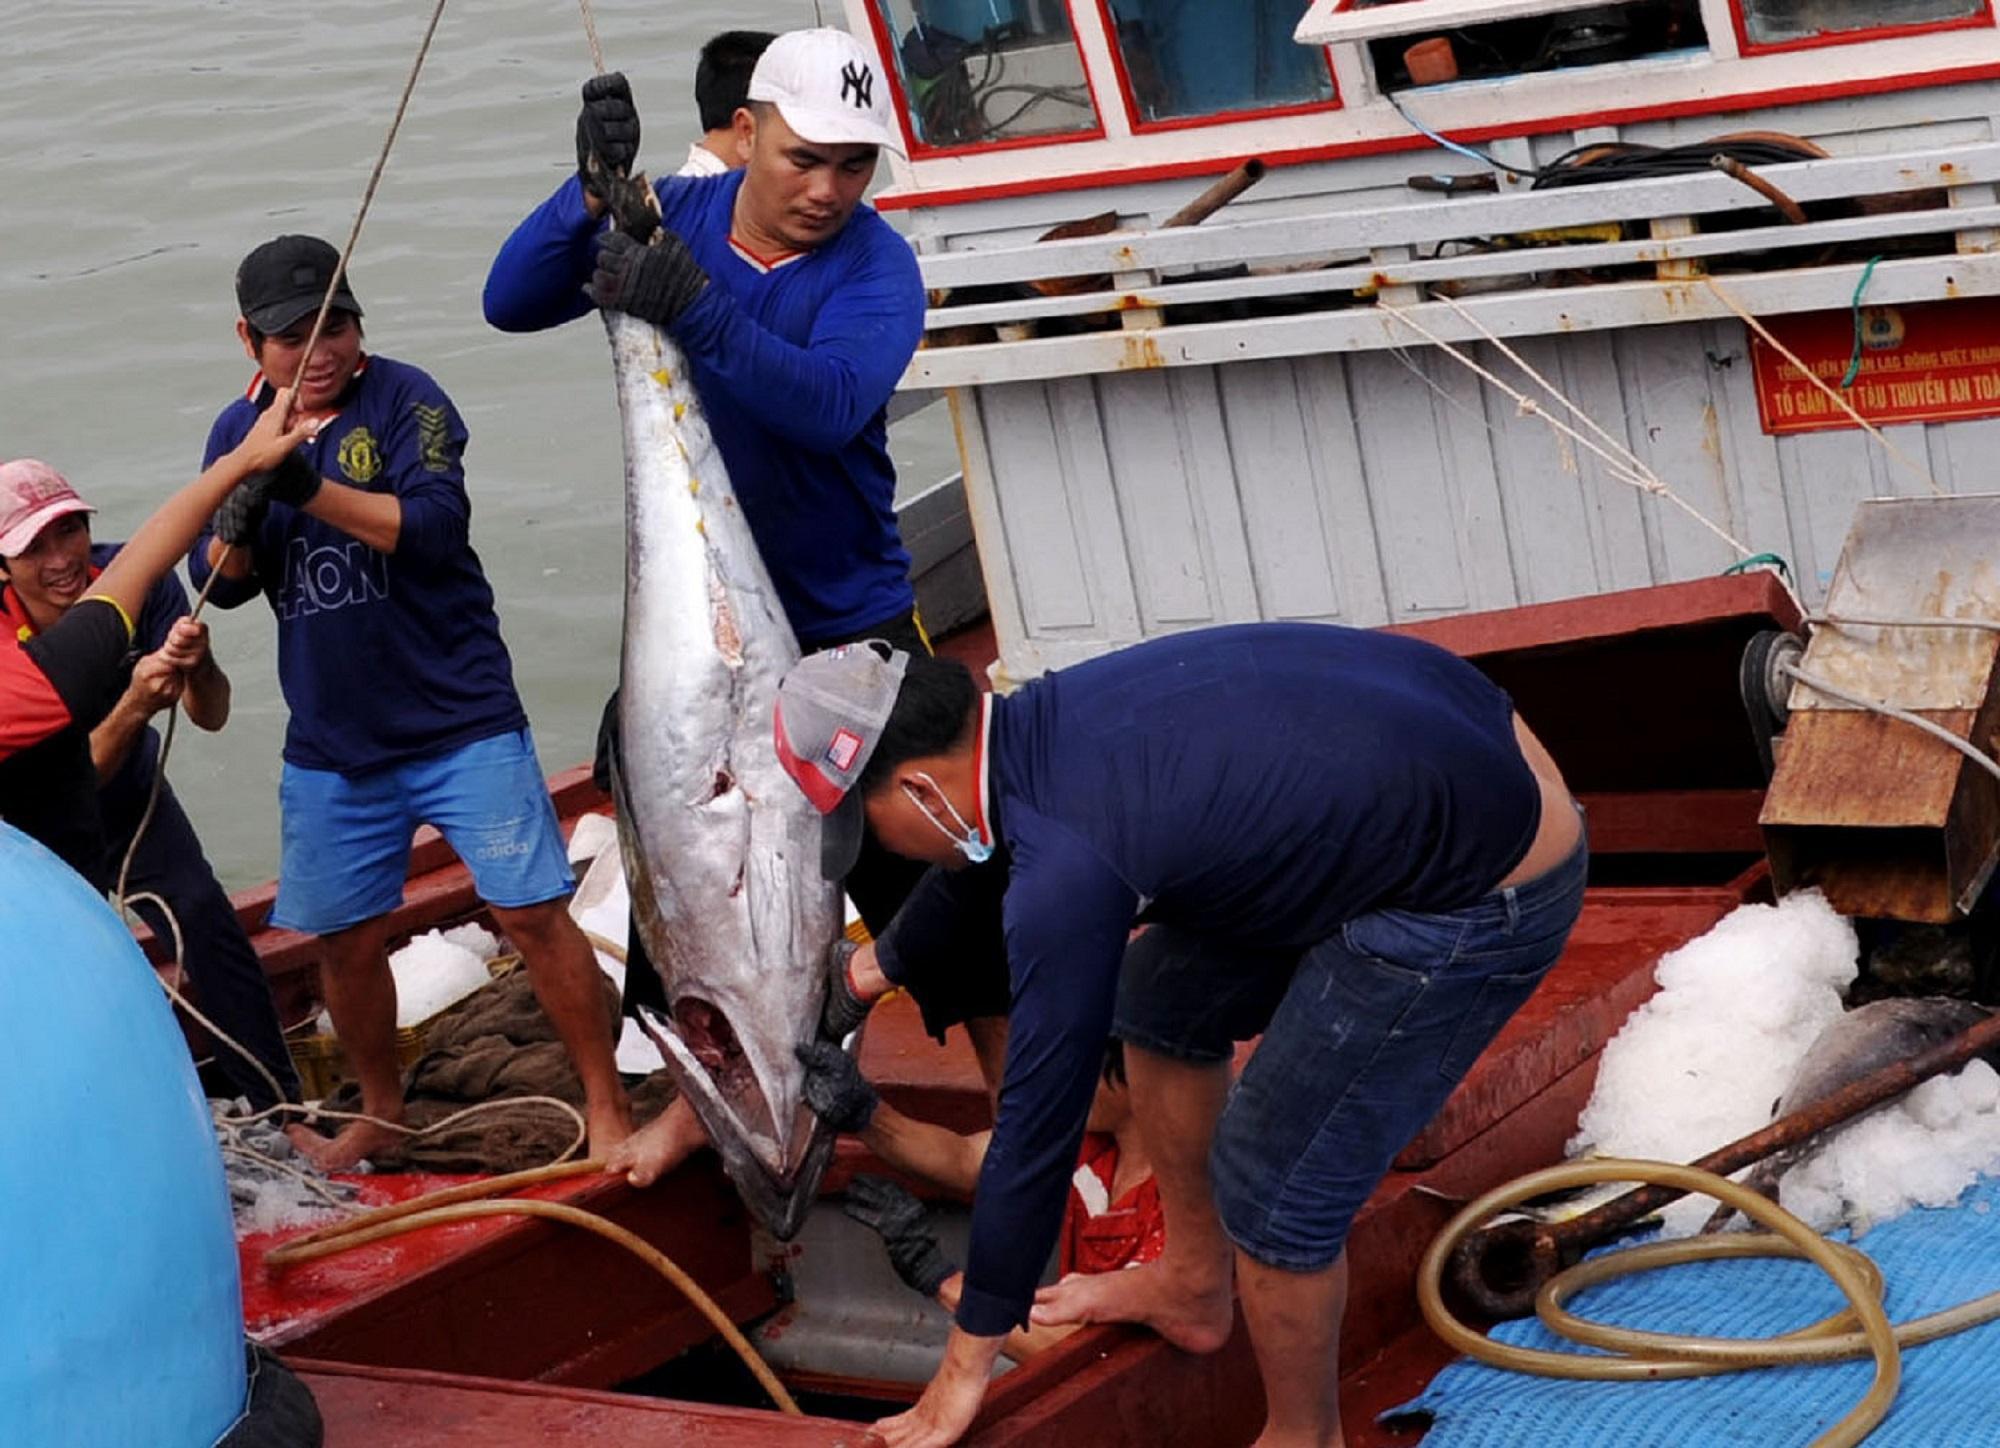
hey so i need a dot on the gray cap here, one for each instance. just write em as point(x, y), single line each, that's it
point(830, 714)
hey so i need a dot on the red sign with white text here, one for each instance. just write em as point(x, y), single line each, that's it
point(1924, 362)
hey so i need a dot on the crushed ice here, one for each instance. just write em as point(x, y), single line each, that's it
point(1703, 1062)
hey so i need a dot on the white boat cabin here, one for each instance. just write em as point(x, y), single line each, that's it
point(1465, 345)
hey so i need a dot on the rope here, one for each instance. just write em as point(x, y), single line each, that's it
point(1617, 444)
point(590, 33)
point(461, 1203)
point(1640, 476)
point(119, 898)
point(1839, 400)
point(368, 196)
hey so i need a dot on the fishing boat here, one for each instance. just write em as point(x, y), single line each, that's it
point(1530, 321)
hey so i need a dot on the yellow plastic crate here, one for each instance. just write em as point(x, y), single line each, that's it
point(322, 1065)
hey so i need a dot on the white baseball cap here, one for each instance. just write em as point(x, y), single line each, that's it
point(828, 88)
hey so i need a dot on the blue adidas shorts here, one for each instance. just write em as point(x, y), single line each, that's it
point(346, 845)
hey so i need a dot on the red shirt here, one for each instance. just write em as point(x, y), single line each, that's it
point(33, 710)
point(1098, 1234)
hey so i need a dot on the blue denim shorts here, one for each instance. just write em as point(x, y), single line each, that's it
point(346, 845)
point(1364, 1037)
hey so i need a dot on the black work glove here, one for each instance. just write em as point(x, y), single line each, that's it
point(843, 1010)
point(835, 1088)
point(653, 283)
point(241, 516)
point(607, 132)
point(293, 481)
point(880, 1204)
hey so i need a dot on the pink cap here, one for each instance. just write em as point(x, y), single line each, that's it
point(32, 496)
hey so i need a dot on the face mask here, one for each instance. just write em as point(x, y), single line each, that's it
point(967, 840)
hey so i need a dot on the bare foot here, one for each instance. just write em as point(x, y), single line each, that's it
point(659, 1146)
point(1192, 1317)
point(357, 1142)
point(305, 1140)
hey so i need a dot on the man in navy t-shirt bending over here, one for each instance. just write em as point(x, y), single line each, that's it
point(1345, 841)
point(403, 709)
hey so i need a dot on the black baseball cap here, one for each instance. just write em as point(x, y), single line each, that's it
point(286, 279)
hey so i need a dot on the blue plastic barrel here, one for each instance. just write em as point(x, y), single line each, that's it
point(121, 1319)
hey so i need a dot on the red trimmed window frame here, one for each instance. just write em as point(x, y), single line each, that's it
point(1143, 127)
point(919, 149)
point(1748, 47)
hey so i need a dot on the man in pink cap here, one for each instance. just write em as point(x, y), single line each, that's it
point(47, 564)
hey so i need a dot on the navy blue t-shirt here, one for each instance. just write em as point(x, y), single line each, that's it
point(795, 363)
point(383, 657)
point(1261, 784)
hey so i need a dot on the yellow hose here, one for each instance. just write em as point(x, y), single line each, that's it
point(457, 1204)
point(1661, 1355)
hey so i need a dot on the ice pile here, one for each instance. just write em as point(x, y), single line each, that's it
point(1701, 1063)
point(440, 968)
point(1924, 1151)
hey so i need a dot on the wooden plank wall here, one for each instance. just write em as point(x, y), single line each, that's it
point(1390, 487)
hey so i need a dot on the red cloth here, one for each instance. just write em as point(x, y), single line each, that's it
point(1098, 1234)
point(30, 708)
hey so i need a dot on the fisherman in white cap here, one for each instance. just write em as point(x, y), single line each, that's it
point(798, 309)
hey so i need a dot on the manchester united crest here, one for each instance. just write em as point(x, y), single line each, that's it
point(360, 457)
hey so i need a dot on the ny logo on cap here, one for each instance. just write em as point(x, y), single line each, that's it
point(859, 80)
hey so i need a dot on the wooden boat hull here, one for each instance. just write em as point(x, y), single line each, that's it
point(1634, 694)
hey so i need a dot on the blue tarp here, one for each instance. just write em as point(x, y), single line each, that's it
point(1950, 1392)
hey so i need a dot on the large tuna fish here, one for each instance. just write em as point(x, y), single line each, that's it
point(1856, 1044)
point(721, 850)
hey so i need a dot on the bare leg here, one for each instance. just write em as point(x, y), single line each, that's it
point(1185, 1295)
point(1294, 1320)
point(659, 1146)
point(361, 998)
point(563, 970)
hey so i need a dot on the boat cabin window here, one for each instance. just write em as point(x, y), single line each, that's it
point(1182, 59)
point(973, 72)
point(1555, 38)
point(1792, 22)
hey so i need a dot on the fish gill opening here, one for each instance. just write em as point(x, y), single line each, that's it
point(713, 1042)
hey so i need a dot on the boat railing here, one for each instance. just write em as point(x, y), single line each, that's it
point(1526, 262)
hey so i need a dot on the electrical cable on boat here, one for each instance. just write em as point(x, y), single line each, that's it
point(1839, 399)
point(1460, 148)
point(1849, 620)
point(1878, 706)
point(458, 1204)
point(1863, 1328)
point(1854, 356)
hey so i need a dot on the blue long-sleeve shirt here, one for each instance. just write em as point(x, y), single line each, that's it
point(1261, 785)
point(382, 657)
point(795, 363)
